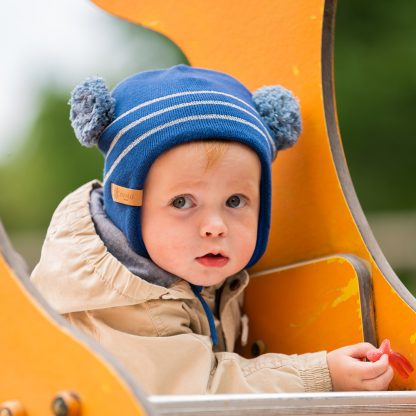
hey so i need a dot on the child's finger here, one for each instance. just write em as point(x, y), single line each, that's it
point(358, 350)
point(371, 370)
point(380, 382)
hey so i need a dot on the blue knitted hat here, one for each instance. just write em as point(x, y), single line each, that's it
point(153, 111)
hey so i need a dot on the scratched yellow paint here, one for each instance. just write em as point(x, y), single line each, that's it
point(152, 24)
point(311, 317)
point(337, 259)
point(302, 306)
point(296, 71)
point(346, 292)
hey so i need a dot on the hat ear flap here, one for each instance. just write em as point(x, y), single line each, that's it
point(280, 111)
point(92, 110)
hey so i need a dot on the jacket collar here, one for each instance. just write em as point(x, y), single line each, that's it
point(78, 272)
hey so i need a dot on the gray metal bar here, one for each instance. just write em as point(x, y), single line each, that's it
point(366, 297)
point(347, 403)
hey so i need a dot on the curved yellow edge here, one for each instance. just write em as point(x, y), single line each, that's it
point(40, 358)
point(264, 42)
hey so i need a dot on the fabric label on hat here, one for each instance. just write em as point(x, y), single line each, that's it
point(126, 196)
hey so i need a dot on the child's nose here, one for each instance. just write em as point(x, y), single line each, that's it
point(213, 227)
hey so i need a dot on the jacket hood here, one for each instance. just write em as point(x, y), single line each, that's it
point(77, 271)
point(117, 244)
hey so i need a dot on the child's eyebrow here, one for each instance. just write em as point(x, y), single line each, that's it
point(238, 185)
point(187, 183)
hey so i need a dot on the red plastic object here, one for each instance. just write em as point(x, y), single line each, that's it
point(400, 363)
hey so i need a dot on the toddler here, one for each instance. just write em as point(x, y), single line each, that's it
point(151, 263)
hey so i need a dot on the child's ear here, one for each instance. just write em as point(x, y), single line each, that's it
point(280, 110)
point(92, 110)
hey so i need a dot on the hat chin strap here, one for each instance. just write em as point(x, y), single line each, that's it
point(127, 196)
point(210, 316)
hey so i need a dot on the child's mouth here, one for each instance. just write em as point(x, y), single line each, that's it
point(213, 260)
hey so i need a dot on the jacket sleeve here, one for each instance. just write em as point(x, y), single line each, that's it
point(271, 373)
point(186, 364)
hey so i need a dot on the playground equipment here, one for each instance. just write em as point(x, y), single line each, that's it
point(321, 252)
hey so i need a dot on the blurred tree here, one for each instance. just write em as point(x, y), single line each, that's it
point(50, 164)
point(375, 63)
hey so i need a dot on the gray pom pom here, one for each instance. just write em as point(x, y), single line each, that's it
point(92, 110)
point(279, 109)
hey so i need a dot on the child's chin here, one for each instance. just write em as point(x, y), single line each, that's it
point(208, 279)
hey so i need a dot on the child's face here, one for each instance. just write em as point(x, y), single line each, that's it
point(199, 222)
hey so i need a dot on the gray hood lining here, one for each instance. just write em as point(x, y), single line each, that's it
point(118, 246)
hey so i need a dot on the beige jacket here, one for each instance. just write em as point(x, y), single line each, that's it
point(161, 335)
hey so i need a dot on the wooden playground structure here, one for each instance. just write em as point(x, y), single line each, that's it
point(321, 251)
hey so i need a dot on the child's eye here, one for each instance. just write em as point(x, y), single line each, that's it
point(236, 201)
point(182, 202)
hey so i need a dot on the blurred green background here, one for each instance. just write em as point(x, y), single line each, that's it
point(375, 66)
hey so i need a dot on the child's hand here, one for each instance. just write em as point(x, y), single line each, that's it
point(349, 372)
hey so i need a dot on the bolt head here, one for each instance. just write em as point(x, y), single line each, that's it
point(59, 407)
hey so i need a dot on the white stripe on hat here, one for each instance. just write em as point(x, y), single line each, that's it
point(172, 123)
point(178, 94)
point(188, 104)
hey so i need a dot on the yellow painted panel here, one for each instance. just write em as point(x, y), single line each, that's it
point(396, 320)
point(305, 308)
point(40, 359)
point(265, 42)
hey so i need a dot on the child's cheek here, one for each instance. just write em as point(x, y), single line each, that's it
point(246, 239)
